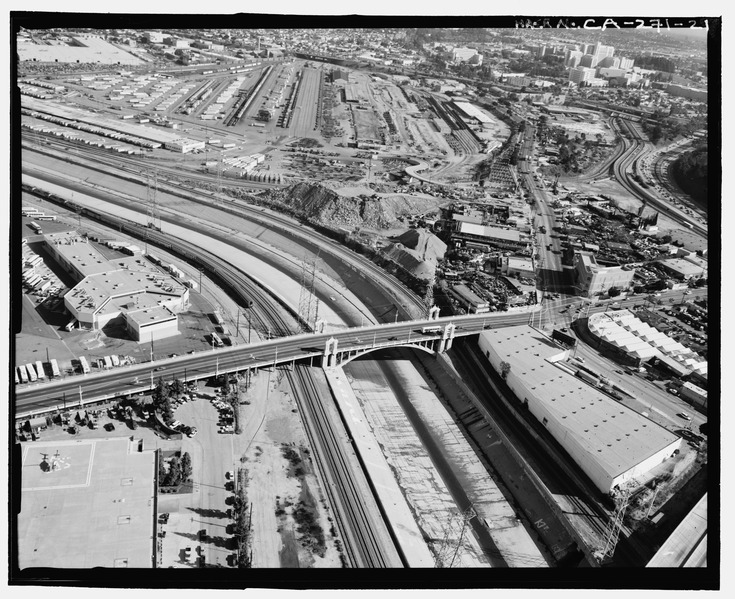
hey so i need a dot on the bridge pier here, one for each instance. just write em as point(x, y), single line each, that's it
point(445, 343)
point(330, 353)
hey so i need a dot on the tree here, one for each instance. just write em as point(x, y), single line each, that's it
point(160, 394)
point(504, 369)
point(173, 477)
point(613, 292)
point(167, 411)
point(161, 469)
point(176, 388)
point(186, 469)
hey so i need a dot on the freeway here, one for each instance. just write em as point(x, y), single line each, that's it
point(622, 169)
point(73, 390)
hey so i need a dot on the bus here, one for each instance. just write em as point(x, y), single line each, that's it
point(23, 373)
point(54, 368)
point(216, 341)
point(431, 329)
point(115, 360)
point(108, 362)
point(83, 363)
point(39, 370)
point(35, 228)
point(45, 217)
point(31, 373)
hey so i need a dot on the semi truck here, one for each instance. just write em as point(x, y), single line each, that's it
point(31, 373)
point(84, 364)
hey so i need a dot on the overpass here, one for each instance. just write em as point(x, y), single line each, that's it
point(334, 348)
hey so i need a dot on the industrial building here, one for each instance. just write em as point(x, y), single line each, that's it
point(611, 443)
point(469, 300)
point(624, 333)
point(87, 504)
point(682, 268)
point(127, 292)
point(183, 145)
point(471, 234)
point(517, 266)
point(592, 279)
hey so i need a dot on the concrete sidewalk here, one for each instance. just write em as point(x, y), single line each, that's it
point(391, 498)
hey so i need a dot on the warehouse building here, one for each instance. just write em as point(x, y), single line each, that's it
point(612, 444)
point(127, 292)
point(624, 333)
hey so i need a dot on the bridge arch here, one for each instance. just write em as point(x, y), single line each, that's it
point(345, 356)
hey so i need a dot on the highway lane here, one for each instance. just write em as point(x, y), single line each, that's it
point(141, 377)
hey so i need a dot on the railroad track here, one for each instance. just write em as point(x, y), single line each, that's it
point(361, 544)
point(315, 242)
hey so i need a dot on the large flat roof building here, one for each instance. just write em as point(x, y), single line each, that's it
point(130, 288)
point(87, 504)
point(611, 443)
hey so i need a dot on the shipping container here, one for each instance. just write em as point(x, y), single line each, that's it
point(23, 373)
point(39, 370)
point(54, 368)
point(115, 360)
point(108, 362)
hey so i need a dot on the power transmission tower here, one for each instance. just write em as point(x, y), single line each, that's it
point(219, 174)
point(152, 211)
point(613, 533)
point(454, 533)
point(308, 305)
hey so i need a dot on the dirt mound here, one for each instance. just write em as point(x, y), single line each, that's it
point(426, 245)
point(408, 259)
point(328, 204)
point(417, 251)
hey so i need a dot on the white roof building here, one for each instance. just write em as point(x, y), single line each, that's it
point(611, 443)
